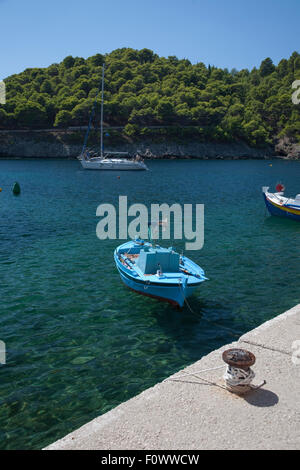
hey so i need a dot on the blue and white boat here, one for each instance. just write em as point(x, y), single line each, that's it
point(278, 204)
point(157, 272)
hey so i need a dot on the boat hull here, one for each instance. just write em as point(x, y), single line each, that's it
point(112, 165)
point(175, 295)
point(281, 210)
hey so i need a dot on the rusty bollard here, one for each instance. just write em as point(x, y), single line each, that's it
point(238, 375)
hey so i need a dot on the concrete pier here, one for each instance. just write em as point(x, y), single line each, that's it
point(188, 412)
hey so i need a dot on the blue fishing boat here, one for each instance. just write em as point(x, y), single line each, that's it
point(157, 272)
point(278, 204)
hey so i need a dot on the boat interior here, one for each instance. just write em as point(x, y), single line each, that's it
point(150, 259)
point(281, 199)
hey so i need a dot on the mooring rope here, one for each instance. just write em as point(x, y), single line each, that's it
point(205, 319)
point(196, 374)
point(198, 371)
point(235, 376)
point(236, 380)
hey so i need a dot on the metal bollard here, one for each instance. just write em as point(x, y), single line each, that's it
point(238, 375)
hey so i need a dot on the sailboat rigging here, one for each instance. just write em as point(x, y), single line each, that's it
point(95, 160)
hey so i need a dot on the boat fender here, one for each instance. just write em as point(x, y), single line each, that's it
point(138, 240)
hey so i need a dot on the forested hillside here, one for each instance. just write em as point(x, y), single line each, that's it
point(143, 90)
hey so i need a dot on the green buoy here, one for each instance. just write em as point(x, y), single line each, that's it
point(16, 188)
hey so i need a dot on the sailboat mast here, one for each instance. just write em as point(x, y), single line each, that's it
point(101, 124)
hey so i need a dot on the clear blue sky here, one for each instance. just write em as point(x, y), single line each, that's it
point(225, 33)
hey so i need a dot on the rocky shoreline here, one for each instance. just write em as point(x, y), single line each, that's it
point(68, 144)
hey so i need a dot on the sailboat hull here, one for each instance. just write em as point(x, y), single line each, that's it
point(112, 164)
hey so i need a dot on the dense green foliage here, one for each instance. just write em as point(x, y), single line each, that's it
point(144, 90)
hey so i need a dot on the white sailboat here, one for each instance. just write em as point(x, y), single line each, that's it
point(91, 160)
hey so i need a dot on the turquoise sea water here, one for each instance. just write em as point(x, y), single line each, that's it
point(78, 342)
